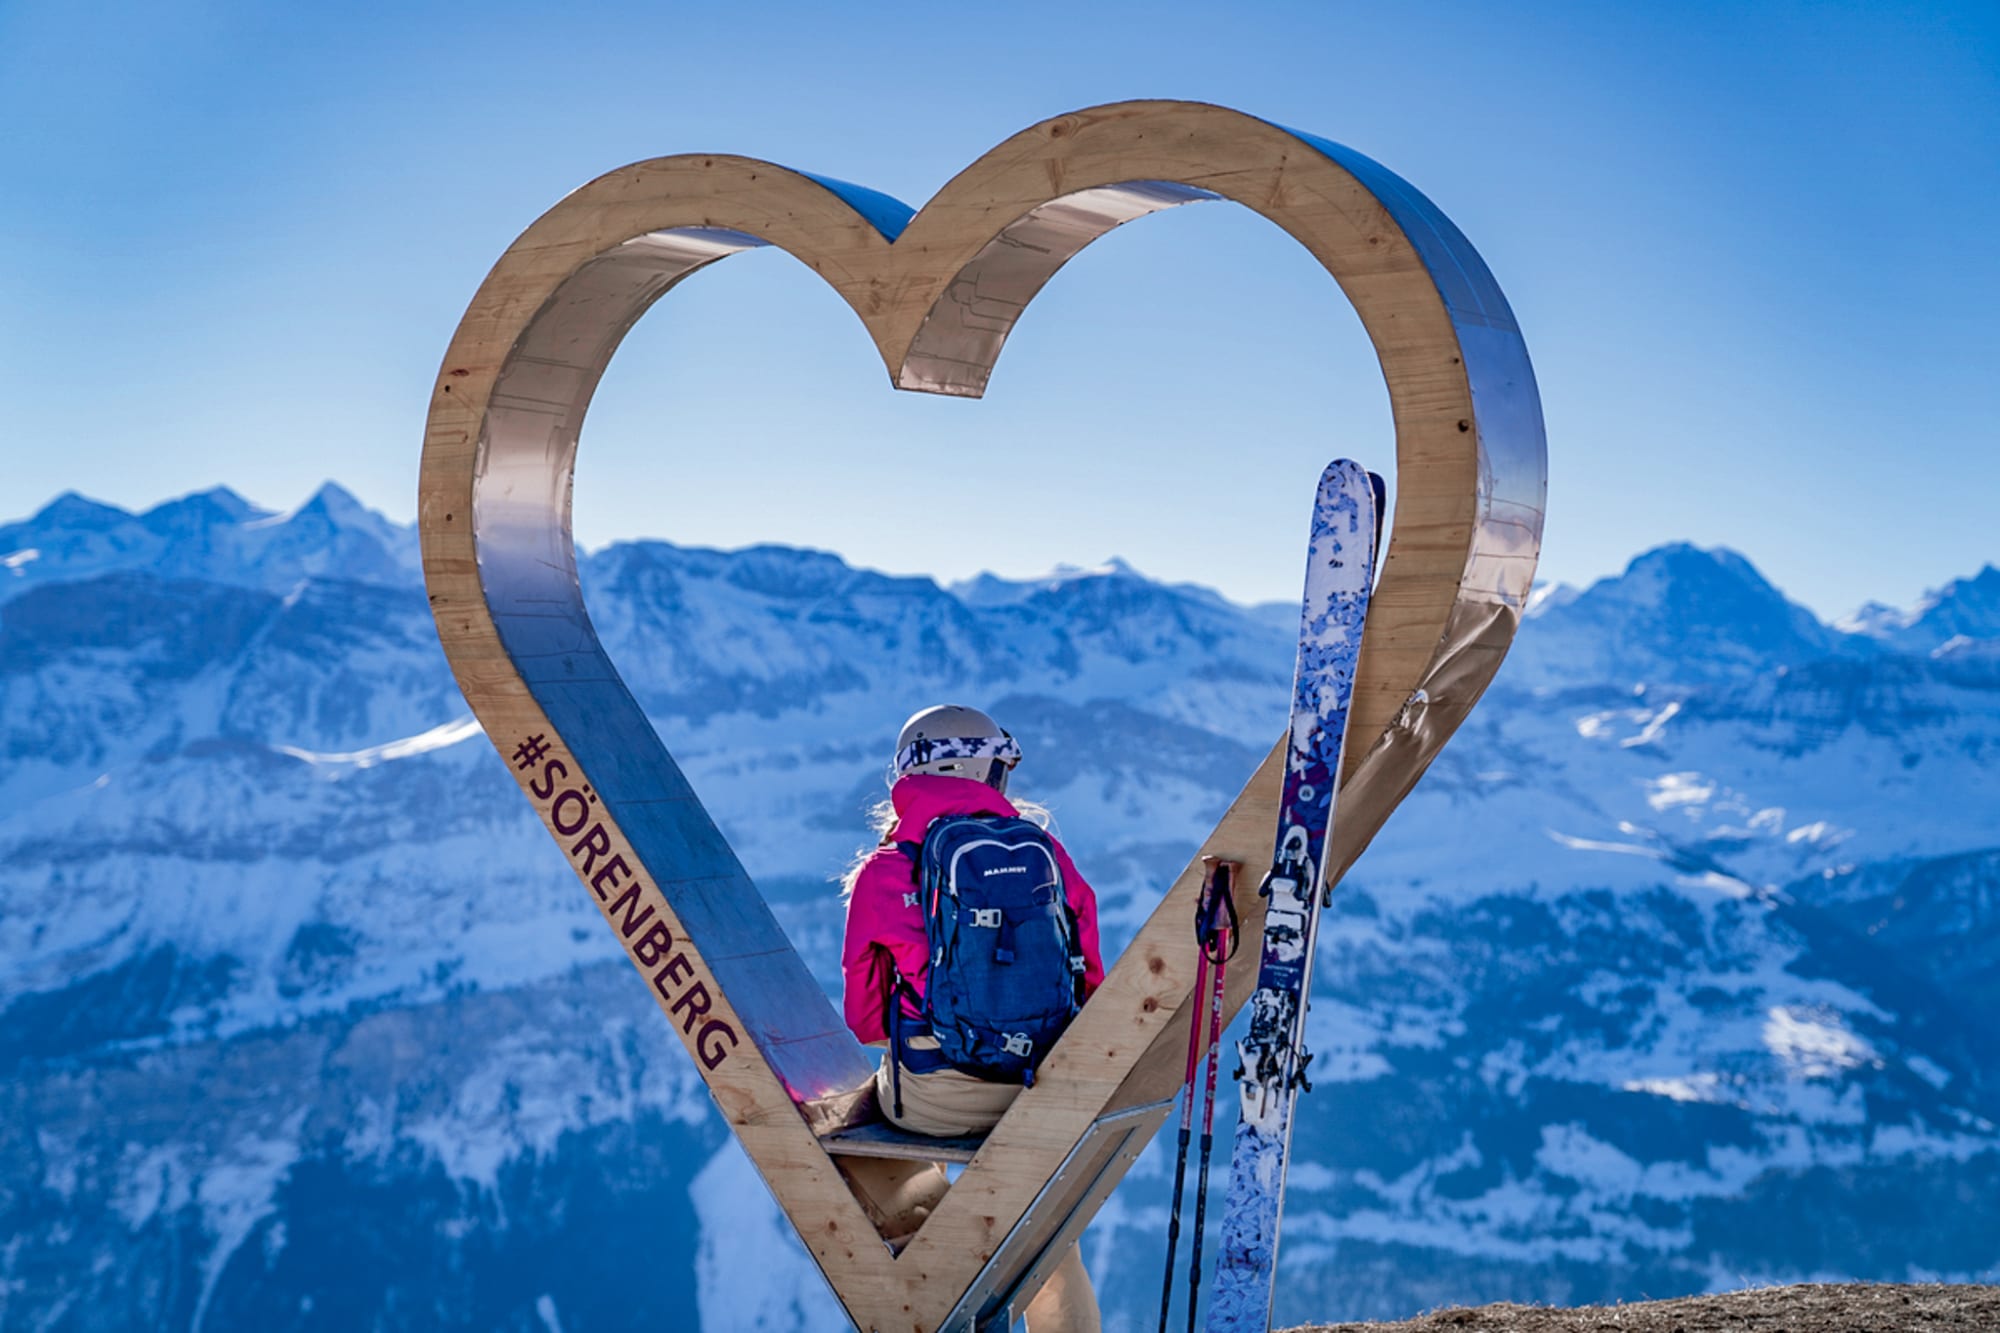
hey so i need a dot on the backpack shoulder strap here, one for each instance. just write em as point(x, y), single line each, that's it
point(915, 850)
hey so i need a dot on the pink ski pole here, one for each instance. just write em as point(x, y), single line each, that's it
point(1218, 942)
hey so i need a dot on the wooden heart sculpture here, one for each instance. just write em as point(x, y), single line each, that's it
point(938, 291)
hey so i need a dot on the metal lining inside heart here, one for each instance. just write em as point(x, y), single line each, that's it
point(938, 291)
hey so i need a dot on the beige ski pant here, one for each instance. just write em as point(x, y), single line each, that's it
point(950, 1104)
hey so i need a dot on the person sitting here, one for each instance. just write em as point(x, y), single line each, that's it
point(953, 1063)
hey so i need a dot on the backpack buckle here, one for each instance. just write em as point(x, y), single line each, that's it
point(986, 916)
point(1016, 1043)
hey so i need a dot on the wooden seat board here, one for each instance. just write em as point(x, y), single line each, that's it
point(882, 1140)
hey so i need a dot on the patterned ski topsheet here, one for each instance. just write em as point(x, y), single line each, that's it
point(1339, 576)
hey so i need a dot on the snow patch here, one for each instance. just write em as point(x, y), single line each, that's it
point(1726, 885)
point(1891, 1141)
point(59, 1165)
point(1691, 1088)
point(150, 1183)
point(1570, 1150)
point(1674, 790)
point(236, 1193)
point(1576, 844)
point(1595, 726)
point(437, 738)
point(1655, 724)
point(1929, 1071)
point(1546, 597)
point(1811, 1043)
point(752, 1275)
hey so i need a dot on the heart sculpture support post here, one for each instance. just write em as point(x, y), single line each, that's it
point(938, 291)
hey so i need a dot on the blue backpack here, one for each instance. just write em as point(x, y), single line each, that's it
point(1006, 968)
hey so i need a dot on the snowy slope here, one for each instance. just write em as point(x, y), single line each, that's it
point(1668, 977)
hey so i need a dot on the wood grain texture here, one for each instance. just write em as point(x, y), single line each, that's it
point(1434, 637)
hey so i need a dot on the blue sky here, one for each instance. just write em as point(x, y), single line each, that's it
point(1750, 246)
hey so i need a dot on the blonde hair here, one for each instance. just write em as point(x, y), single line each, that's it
point(882, 823)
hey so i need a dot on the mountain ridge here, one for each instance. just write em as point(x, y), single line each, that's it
point(1973, 600)
point(1622, 1000)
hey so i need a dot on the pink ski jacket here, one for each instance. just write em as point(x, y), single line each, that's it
point(885, 924)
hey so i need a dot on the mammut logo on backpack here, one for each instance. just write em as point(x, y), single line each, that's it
point(1006, 963)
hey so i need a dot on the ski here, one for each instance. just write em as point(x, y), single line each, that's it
point(1340, 572)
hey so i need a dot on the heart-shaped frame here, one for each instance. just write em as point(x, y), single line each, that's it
point(938, 291)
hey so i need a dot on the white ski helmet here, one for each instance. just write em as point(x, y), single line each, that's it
point(958, 742)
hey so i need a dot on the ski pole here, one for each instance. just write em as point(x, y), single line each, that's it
point(1217, 945)
point(1187, 1107)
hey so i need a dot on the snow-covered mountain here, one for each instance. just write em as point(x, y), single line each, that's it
point(1670, 975)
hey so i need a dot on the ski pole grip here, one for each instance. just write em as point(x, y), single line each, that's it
point(1215, 911)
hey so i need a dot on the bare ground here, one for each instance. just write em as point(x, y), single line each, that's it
point(1846, 1308)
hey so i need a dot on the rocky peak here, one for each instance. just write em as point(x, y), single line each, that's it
point(1963, 612)
point(1678, 613)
